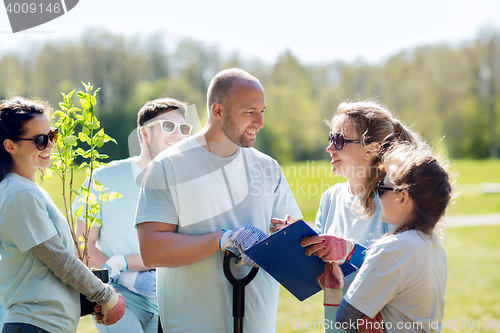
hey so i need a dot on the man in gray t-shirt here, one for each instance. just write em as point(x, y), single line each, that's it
point(212, 181)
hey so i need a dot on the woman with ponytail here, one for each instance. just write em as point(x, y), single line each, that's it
point(41, 279)
point(360, 134)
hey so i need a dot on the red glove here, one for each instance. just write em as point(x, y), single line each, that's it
point(112, 311)
point(329, 248)
point(334, 251)
point(370, 325)
point(332, 283)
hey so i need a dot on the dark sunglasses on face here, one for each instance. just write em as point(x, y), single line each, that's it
point(169, 126)
point(41, 141)
point(339, 141)
point(381, 189)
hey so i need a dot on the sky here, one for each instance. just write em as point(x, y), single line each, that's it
point(316, 31)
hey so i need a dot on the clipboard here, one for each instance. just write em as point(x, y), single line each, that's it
point(282, 256)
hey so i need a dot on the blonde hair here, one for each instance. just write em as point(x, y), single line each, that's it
point(427, 181)
point(374, 123)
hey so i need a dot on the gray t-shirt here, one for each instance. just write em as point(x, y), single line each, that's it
point(201, 192)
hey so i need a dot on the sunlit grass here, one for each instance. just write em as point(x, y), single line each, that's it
point(308, 180)
point(473, 290)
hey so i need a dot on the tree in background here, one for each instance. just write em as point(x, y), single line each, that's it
point(451, 95)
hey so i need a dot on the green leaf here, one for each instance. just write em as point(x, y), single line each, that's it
point(80, 118)
point(98, 222)
point(70, 140)
point(84, 190)
point(89, 219)
point(59, 113)
point(80, 151)
point(87, 86)
point(85, 103)
point(97, 186)
point(78, 212)
point(47, 174)
point(83, 165)
point(99, 143)
point(94, 208)
point(94, 124)
point(86, 130)
point(92, 198)
point(114, 195)
point(84, 137)
point(108, 138)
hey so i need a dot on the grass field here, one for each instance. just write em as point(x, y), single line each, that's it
point(308, 180)
point(473, 291)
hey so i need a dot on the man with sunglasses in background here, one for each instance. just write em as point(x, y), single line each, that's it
point(114, 244)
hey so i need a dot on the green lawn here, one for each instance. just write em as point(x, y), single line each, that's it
point(473, 291)
point(308, 180)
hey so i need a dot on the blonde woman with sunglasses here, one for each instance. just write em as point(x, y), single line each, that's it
point(360, 131)
point(41, 279)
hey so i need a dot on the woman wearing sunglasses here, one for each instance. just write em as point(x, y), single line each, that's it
point(351, 210)
point(403, 278)
point(40, 278)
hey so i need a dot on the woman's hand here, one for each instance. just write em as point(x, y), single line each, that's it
point(279, 224)
point(370, 325)
point(329, 248)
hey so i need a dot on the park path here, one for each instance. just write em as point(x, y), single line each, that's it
point(473, 220)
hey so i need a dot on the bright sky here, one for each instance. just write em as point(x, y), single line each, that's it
point(314, 30)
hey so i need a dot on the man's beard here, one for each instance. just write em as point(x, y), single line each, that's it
point(231, 131)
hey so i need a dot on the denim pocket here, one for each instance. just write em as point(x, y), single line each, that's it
point(10, 328)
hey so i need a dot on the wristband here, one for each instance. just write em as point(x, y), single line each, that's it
point(126, 263)
point(226, 238)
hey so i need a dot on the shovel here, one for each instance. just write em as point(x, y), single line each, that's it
point(238, 290)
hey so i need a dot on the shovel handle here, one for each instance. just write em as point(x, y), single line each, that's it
point(238, 290)
point(229, 275)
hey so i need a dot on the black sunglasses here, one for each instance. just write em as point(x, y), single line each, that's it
point(41, 141)
point(381, 189)
point(339, 141)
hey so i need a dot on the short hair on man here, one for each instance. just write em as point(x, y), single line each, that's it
point(221, 86)
point(159, 106)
